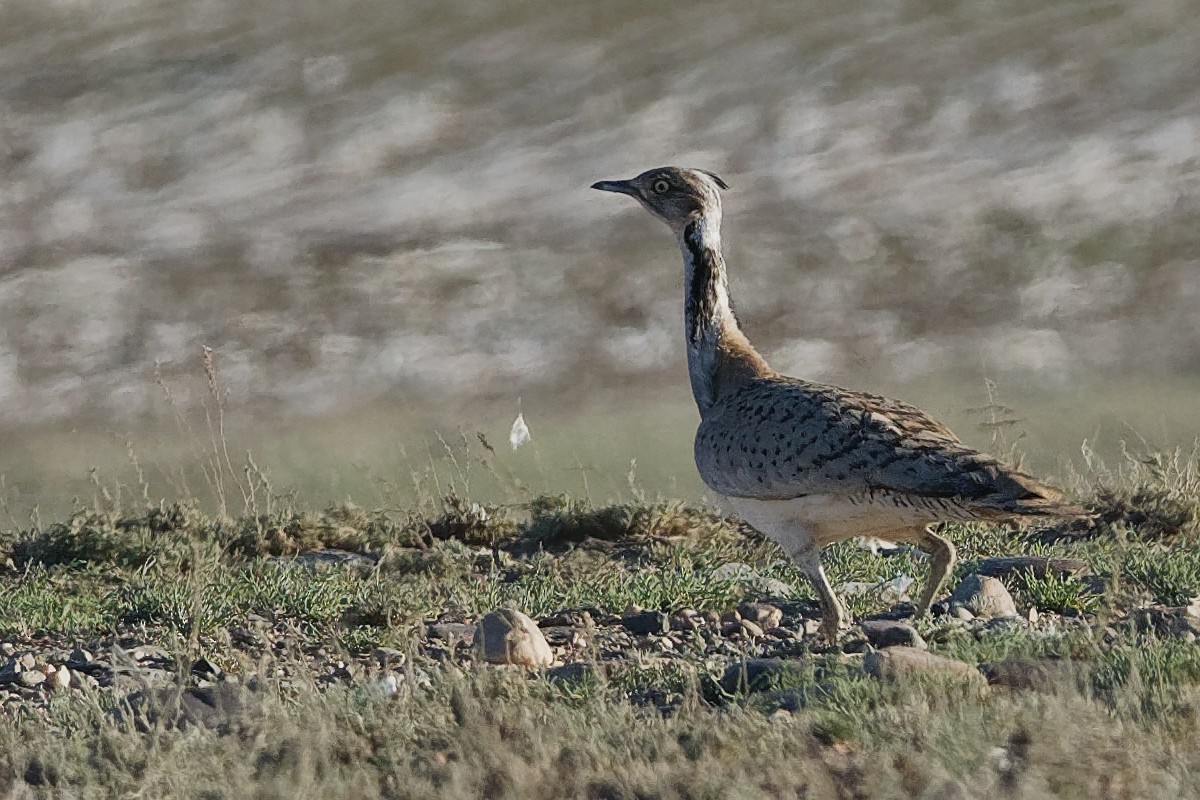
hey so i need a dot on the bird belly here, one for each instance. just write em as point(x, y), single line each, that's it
point(827, 518)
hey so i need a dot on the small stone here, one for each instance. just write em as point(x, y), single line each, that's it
point(1025, 673)
point(60, 679)
point(224, 707)
point(79, 658)
point(451, 632)
point(686, 622)
point(506, 636)
point(751, 629)
point(327, 559)
point(644, 623)
point(27, 661)
point(713, 620)
point(32, 677)
point(388, 656)
point(885, 633)
point(1033, 615)
point(765, 615)
point(897, 664)
point(1170, 621)
point(812, 627)
point(984, 597)
point(563, 618)
point(8, 650)
point(575, 671)
point(761, 674)
point(962, 613)
point(204, 668)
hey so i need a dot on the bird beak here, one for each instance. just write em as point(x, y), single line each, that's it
point(620, 187)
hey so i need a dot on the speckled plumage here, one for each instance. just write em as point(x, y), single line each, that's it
point(805, 463)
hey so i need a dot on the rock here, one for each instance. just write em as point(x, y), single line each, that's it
point(27, 661)
point(961, 613)
point(812, 627)
point(750, 629)
point(765, 615)
point(761, 674)
point(329, 559)
point(60, 679)
point(984, 597)
point(794, 699)
point(388, 656)
point(646, 622)
point(1167, 621)
point(897, 664)
point(506, 636)
point(575, 671)
point(203, 668)
point(451, 632)
point(885, 633)
point(1040, 566)
point(1025, 673)
point(223, 707)
point(578, 619)
point(687, 620)
point(32, 677)
point(79, 658)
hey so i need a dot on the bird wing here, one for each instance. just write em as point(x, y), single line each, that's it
point(780, 438)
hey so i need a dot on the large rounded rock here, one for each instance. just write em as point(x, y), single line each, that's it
point(901, 664)
point(507, 636)
point(984, 597)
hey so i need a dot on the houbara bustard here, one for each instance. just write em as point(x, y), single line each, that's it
point(808, 464)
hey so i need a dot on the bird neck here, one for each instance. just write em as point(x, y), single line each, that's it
point(720, 357)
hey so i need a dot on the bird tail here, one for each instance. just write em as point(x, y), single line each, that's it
point(1025, 497)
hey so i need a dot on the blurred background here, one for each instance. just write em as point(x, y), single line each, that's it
point(377, 216)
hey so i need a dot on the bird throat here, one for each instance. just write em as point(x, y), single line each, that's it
point(720, 357)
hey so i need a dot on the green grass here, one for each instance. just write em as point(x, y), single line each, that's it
point(639, 722)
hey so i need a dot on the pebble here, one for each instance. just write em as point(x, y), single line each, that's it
point(759, 674)
point(386, 656)
point(32, 677)
point(646, 622)
point(79, 658)
point(451, 632)
point(751, 629)
point(764, 615)
point(506, 636)
point(60, 679)
point(886, 633)
point(901, 663)
point(984, 597)
point(1025, 673)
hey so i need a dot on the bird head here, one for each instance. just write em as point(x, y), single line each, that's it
point(675, 195)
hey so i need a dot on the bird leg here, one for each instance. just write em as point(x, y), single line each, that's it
point(833, 617)
point(942, 557)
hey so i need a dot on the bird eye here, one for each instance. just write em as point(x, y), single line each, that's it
point(660, 186)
